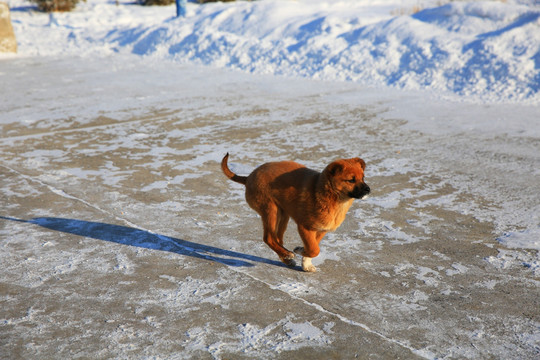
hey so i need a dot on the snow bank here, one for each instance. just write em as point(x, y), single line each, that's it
point(486, 51)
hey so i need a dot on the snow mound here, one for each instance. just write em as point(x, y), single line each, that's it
point(486, 50)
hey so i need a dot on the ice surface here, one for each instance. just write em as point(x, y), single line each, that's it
point(121, 238)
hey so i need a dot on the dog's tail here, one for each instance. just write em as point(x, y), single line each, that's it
point(229, 173)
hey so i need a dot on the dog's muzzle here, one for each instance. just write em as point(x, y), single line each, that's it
point(360, 192)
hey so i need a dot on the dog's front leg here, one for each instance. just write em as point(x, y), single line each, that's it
point(311, 248)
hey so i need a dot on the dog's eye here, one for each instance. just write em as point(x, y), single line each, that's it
point(352, 181)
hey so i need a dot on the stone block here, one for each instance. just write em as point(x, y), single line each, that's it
point(8, 43)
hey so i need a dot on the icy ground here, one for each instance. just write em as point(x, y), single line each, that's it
point(98, 173)
point(120, 237)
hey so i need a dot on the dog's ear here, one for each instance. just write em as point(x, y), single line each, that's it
point(334, 168)
point(361, 162)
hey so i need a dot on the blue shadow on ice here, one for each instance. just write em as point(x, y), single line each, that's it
point(145, 239)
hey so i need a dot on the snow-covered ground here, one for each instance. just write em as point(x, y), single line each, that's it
point(111, 134)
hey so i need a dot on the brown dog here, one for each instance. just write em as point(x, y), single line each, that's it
point(317, 202)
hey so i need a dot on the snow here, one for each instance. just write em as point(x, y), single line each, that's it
point(487, 50)
point(522, 239)
point(114, 118)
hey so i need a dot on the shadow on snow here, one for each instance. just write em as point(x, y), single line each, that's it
point(145, 239)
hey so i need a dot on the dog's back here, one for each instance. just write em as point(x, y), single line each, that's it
point(287, 184)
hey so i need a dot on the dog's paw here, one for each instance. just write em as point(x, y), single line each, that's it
point(307, 266)
point(289, 260)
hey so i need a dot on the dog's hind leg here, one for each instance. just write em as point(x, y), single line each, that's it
point(274, 225)
point(282, 222)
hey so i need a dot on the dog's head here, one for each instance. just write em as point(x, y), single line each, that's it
point(346, 177)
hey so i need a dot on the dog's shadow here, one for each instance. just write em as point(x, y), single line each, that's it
point(148, 240)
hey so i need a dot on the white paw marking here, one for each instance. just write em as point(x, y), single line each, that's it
point(307, 265)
